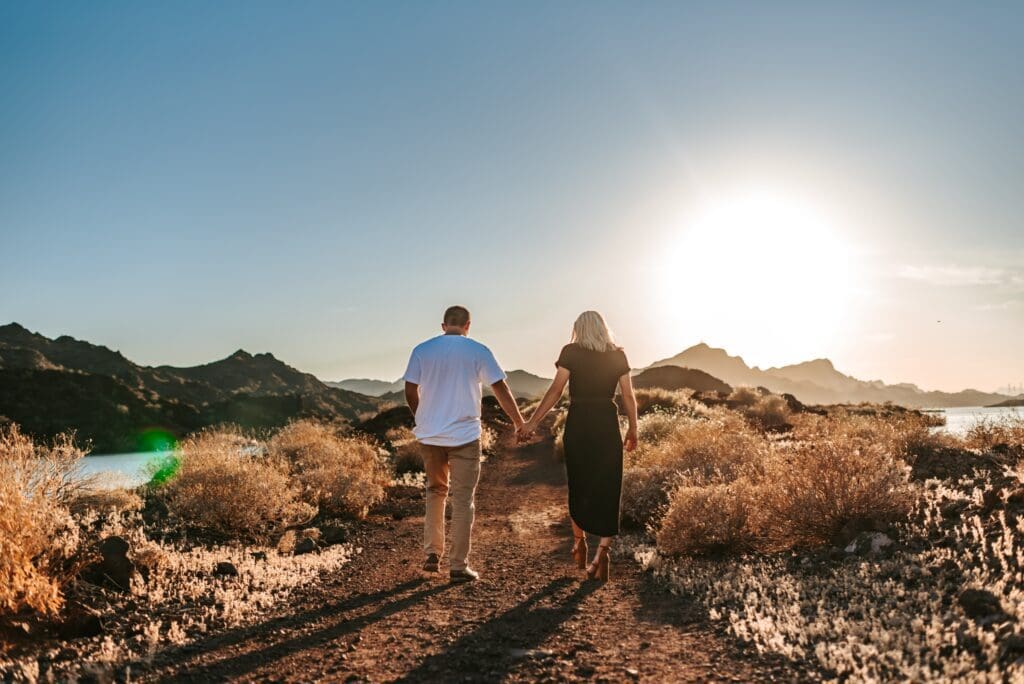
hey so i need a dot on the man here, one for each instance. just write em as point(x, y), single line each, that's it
point(443, 389)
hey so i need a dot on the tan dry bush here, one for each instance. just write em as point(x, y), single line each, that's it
point(645, 493)
point(809, 492)
point(769, 412)
point(106, 501)
point(744, 396)
point(1005, 433)
point(224, 490)
point(341, 475)
point(716, 447)
point(904, 435)
point(653, 428)
point(708, 518)
point(40, 546)
point(654, 398)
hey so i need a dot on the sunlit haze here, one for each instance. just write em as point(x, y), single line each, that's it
point(787, 181)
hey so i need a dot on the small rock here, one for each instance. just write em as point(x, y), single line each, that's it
point(114, 569)
point(632, 673)
point(1011, 647)
point(225, 569)
point(80, 625)
point(979, 604)
point(259, 555)
point(305, 545)
point(330, 535)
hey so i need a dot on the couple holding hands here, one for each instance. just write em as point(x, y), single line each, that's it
point(443, 387)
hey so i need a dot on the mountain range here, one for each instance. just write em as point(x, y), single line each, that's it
point(818, 382)
point(711, 368)
point(524, 385)
point(51, 385)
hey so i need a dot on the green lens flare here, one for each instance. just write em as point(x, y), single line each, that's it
point(155, 439)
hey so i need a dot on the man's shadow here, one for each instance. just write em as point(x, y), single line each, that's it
point(495, 648)
point(386, 603)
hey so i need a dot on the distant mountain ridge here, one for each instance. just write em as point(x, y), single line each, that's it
point(523, 384)
point(818, 381)
point(48, 386)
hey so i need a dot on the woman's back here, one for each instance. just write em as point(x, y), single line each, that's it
point(593, 375)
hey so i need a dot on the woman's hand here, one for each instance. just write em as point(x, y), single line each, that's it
point(630, 441)
point(526, 430)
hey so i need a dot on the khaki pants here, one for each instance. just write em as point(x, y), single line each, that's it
point(461, 466)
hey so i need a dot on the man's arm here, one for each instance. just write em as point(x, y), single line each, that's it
point(412, 396)
point(507, 402)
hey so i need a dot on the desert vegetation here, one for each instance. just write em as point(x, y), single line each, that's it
point(227, 527)
point(857, 539)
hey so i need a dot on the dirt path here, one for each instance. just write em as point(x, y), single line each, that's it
point(530, 617)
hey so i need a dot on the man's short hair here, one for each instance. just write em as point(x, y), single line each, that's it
point(457, 316)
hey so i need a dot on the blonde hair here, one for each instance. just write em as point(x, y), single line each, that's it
point(591, 332)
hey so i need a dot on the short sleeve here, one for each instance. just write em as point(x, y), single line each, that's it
point(412, 371)
point(566, 358)
point(490, 369)
point(623, 363)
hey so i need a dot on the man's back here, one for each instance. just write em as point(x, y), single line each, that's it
point(449, 370)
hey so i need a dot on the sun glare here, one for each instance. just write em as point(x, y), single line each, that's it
point(762, 274)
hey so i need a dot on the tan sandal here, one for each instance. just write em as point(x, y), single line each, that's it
point(600, 569)
point(580, 551)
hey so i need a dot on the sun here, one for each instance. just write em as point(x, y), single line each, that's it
point(764, 274)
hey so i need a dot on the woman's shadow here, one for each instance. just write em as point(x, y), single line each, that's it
point(493, 650)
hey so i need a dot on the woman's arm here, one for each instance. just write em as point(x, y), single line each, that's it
point(629, 403)
point(551, 398)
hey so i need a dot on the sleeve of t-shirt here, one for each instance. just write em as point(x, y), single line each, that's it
point(624, 363)
point(412, 371)
point(565, 358)
point(490, 369)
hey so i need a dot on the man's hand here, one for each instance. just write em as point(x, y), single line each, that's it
point(508, 403)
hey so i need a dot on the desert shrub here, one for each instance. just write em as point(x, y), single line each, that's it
point(558, 431)
point(810, 492)
point(654, 427)
point(769, 412)
point(716, 447)
point(341, 475)
point(708, 518)
point(645, 495)
point(105, 501)
point(655, 398)
point(1007, 433)
point(744, 396)
point(488, 438)
point(408, 458)
point(904, 435)
point(224, 490)
point(39, 540)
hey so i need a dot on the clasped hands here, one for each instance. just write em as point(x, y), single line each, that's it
point(525, 430)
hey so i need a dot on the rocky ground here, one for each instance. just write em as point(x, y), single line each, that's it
point(530, 618)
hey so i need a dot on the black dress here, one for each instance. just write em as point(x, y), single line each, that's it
point(593, 443)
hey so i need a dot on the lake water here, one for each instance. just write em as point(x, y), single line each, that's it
point(120, 470)
point(128, 470)
point(960, 419)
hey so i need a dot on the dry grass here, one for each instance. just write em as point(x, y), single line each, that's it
point(222, 490)
point(339, 475)
point(744, 397)
point(709, 518)
point(808, 494)
point(40, 544)
point(1004, 434)
point(718, 480)
point(872, 620)
point(769, 412)
point(657, 399)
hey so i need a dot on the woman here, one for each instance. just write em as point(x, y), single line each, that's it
point(593, 366)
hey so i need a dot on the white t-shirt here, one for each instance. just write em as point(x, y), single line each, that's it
point(449, 370)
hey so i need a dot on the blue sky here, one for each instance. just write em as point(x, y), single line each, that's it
point(319, 180)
